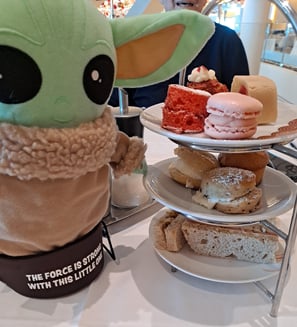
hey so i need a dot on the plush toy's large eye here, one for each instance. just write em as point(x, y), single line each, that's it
point(98, 78)
point(20, 77)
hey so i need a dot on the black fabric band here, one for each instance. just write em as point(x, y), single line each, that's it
point(56, 273)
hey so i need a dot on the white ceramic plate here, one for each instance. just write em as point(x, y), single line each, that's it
point(151, 118)
point(216, 269)
point(279, 193)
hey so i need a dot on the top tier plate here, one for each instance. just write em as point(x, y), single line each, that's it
point(151, 118)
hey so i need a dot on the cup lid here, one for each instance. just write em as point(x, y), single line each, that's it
point(132, 112)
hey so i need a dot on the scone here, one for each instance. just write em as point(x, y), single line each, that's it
point(229, 190)
point(190, 165)
point(254, 161)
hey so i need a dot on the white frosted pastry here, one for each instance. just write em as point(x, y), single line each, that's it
point(261, 88)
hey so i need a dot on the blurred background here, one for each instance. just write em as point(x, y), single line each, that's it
point(268, 30)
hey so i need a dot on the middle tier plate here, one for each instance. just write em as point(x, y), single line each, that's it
point(279, 193)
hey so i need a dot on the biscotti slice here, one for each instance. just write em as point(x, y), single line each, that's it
point(175, 239)
point(261, 88)
point(159, 224)
point(253, 243)
point(167, 233)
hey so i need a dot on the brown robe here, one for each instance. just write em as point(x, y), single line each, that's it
point(54, 183)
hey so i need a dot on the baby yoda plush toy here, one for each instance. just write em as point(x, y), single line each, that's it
point(59, 60)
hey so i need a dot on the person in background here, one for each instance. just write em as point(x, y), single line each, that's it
point(224, 53)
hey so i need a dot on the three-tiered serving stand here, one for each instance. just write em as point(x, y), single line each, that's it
point(151, 119)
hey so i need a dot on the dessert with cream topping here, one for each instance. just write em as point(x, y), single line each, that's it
point(205, 79)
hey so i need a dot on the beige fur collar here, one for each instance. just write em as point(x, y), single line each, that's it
point(49, 153)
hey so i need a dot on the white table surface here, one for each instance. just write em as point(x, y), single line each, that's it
point(139, 289)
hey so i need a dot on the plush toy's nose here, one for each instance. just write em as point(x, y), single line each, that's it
point(63, 112)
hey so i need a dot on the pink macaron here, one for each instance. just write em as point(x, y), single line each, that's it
point(232, 116)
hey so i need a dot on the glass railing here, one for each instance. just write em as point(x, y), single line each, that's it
point(280, 44)
point(280, 47)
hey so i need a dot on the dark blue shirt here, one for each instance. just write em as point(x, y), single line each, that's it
point(224, 53)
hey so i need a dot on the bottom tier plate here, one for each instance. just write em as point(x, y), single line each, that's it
point(215, 269)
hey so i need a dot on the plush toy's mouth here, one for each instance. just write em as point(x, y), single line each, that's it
point(185, 4)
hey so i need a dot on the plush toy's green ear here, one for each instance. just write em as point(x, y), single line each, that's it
point(152, 48)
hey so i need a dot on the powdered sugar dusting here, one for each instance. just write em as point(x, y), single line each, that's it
point(230, 176)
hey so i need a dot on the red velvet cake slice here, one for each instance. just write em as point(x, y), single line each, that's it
point(184, 110)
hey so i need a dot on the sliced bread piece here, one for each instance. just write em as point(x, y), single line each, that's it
point(253, 243)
